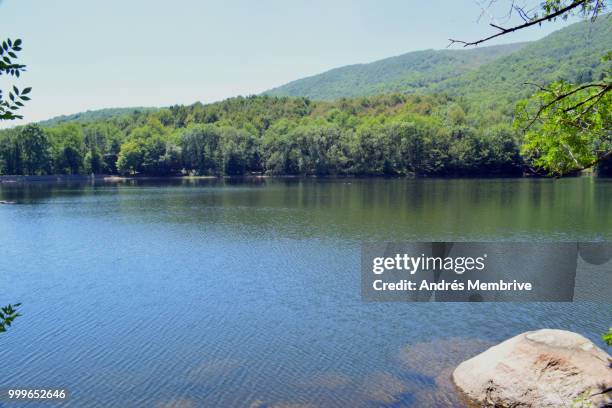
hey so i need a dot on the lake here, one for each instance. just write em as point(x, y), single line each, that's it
point(188, 293)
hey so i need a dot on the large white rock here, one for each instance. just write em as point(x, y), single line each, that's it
point(543, 368)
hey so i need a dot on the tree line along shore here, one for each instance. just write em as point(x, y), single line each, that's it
point(390, 135)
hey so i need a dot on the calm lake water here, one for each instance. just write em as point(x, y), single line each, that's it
point(247, 294)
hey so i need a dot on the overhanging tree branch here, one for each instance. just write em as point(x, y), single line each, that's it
point(559, 97)
point(532, 22)
point(597, 96)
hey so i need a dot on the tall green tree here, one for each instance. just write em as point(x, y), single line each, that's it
point(36, 157)
point(200, 148)
point(68, 147)
point(11, 152)
point(131, 157)
point(238, 151)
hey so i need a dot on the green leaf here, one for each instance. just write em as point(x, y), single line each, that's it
point(607, 337)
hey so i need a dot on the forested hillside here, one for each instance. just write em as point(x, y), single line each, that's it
point(573, 54)
point(381, 135)
point(410, 72)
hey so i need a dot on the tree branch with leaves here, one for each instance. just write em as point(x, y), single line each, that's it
point(7, 315)
point(550, 11)
point(567, 127)
point(8, 108)
point(8, 66)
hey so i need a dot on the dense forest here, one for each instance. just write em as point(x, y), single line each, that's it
point(461, 124)
point(382, 135)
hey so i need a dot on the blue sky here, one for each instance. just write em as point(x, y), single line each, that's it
point(94, 54)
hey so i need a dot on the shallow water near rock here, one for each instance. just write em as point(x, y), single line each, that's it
point(247, 293)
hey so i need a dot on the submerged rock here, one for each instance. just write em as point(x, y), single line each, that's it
point(543, 368)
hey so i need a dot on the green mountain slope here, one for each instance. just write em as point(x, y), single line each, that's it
point(572, 53)
point(404, 73)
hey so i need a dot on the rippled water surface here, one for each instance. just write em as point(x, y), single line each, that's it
point(247, 293)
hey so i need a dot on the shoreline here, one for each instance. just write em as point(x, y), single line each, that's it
point(59, 178)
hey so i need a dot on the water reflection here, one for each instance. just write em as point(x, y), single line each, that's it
point(363, 209)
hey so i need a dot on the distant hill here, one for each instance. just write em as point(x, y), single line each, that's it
point(94, 115)
point(573, 53)
point(409, 72)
